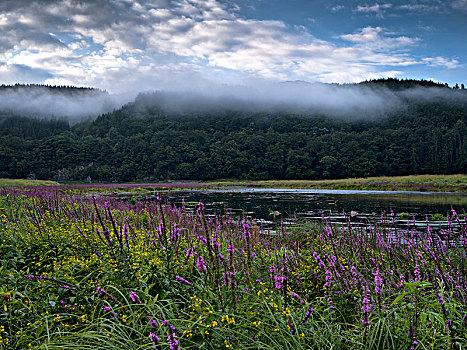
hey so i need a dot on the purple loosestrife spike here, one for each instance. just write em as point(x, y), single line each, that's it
point(279, 279)
point(448, 324)
point(295, 295)
point(366, 308)
point(154, 339)
point(328, 274)
point(190, 252)
point(308, 314)
point(153, 323)
point(378, 282)
point(417, 273)
point(166, 323)
point(134, 297)
point(200, 264)
point(173, 343)
point(182, 280)
point(66, 287)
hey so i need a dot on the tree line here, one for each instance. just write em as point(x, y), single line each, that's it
point(126, 145)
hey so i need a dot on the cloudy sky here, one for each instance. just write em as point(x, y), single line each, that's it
point(122, 45)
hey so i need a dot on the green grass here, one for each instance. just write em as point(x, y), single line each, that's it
point(23, 182)
point(423, 183)
point(431, 183)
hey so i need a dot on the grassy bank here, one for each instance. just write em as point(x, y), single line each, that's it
point(97, 273)
point(424, 183)
point(23, 182)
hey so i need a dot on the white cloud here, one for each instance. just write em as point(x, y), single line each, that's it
point(142, 44)
point(417, 7)
point(377, 9)
point(337, 8)
point(375, 38)
point(441, 62)
point(425, 6)
point(3, 20)
point(460, 5)
point(373, 8)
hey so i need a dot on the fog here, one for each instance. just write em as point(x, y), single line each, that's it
point(74, 105)
point(294, 97)
point(352, 101)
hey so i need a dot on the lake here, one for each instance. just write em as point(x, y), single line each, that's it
point(269, 204)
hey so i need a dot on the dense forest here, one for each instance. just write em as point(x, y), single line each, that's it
point(142, 141)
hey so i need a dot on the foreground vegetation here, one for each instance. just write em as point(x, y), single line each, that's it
point(85, 272)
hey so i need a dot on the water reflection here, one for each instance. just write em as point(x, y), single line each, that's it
point(363, 206)
point(311, 203)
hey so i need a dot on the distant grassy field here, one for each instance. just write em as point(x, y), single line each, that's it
point(429, 183)
point(423, 183)
point(22, 182)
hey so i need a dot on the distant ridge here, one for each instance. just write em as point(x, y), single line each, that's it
point(398, 84)
point(50, 88)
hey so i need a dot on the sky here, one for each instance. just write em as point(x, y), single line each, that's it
point(139, 45)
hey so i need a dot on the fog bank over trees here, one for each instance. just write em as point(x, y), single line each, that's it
point(41, 101)
point(421, 129)
point(366, 100)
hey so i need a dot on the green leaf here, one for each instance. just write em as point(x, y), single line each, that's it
point(423, 317)
point(399, 298)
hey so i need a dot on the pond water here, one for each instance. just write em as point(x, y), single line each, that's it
point(272, 204)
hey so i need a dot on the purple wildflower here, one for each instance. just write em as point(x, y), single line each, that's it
point(328, 274)
point(182, 280)
point(308, 314)
point(378, 282)
point(295, 295)
point(366, 308)
point(134, 297)
point(154, 339)
point(173, 343)
point(279, 280)
point(153, 323)
point(200, 264)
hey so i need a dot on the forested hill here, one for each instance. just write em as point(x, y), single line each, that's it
point(148, 139)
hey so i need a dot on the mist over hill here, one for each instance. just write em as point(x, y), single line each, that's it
point(41, 101)
point(366, 100)
point(293, 130)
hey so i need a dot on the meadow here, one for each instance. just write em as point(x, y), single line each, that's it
point(23, 182)
point(423, 183)
point(84, 271)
